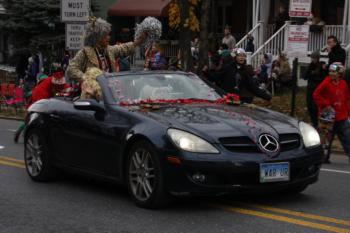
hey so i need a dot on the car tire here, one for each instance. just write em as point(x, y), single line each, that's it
point(37, 157)
point(144, 176)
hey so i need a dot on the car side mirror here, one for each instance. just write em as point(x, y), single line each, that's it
point(91, 105)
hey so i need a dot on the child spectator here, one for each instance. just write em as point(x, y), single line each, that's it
point(333, 95)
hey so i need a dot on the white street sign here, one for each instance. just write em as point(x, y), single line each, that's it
point(300, 8)
point(75, 10)
point(298, 40)
point(74, 36)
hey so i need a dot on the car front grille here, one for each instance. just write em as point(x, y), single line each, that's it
point(244, 144)
point(239, 144)
point(289, 141)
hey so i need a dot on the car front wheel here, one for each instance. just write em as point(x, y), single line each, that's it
point(144, 176)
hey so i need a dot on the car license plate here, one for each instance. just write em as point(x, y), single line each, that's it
point(274, 172)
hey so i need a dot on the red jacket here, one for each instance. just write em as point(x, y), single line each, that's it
point(45, 90)
point(329, 94)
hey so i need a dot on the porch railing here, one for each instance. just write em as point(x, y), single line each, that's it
point(318, 40)
point(257, 32)
point(277, 41)
point(273, 45)
point(347, 62)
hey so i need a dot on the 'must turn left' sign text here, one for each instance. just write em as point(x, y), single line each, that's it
point(75, 10)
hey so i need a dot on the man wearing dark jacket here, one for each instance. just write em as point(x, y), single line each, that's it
point(222, 76)
point(335, 52)
point(245, 79)
point(315, 74)
point(235, 76)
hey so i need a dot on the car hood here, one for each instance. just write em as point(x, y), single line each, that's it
point(214, 121)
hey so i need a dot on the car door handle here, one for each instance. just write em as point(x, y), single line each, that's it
point(55, 117)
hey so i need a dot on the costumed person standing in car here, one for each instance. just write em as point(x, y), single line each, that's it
point(97, 51)
point(333, 95)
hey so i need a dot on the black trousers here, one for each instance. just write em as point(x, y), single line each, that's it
point(312, 108)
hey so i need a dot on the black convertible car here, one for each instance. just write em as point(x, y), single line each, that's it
point(170, 133)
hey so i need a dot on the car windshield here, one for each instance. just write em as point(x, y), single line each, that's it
point(137, 87)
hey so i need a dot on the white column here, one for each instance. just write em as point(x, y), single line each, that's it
point(286, 33)
point(249, 58)
point(345, 20)
point(264, 14)
point(254, 12)
point(257, 16)
point(261, 32)
point(347, 36)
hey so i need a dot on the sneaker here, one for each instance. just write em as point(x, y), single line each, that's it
point(17, 135)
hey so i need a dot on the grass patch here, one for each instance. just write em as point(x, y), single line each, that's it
point(12, 112)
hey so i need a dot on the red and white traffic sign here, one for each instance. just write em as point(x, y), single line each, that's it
point(300, 8)
point(298, 40)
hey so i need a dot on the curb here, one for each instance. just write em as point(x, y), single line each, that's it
point(11, 118)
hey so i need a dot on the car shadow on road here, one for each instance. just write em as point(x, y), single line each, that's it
point(117, 193)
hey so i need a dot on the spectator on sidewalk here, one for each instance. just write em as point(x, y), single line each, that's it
point(281, 18)
point(333, 95)
point(246, 80)
point(222, 74)
point(233, 75)
point(229, 39)
point(155, 59)
point(281, 71)
point(335, 52)
point(250, 47)
point(264, 73)
point(347, 77)
point(315, 74)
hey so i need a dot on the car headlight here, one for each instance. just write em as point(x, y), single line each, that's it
point(310, 135)
point(189, 142)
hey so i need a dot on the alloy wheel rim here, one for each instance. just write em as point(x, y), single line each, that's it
point(34, 150)
point(141, 174)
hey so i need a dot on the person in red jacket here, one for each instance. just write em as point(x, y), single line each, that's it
point(55, 85)
point(52, 86)
point(333, 95)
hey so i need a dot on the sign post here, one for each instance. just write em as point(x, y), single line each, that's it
point(298, 42)
point(300, 8)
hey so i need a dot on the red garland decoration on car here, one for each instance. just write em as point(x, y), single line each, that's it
point(230, 99)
